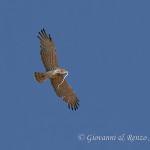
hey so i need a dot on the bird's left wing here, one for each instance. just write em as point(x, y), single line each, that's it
point(48, 51)
point(64, 91)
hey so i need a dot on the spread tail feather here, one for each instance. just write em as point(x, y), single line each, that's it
point(40, 77)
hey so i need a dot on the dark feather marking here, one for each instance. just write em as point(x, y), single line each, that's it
point(41, 35)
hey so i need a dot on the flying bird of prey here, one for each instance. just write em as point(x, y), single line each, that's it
point(53, 72)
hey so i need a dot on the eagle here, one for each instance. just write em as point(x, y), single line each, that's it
point(53, 72)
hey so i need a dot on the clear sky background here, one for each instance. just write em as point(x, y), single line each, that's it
point(105, 46)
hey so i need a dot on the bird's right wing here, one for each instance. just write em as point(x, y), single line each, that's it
point(48, 51)
point(64, 91)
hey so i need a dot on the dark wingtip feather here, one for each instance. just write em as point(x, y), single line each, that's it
point(69, 106)
point(39, 37)
point(50, 37)
point(73, 106)
point(42, 31)
point(40, 34)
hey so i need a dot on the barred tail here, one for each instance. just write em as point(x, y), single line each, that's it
point(40, 77)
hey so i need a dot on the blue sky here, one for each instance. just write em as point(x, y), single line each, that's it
point(105, 46)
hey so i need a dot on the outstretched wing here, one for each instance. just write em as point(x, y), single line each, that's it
point(48, 51)
point(65, 92)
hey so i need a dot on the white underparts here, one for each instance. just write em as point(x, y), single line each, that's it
point(63, 80)
point(55, 71)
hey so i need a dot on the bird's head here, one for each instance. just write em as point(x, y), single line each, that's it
point(62, 71)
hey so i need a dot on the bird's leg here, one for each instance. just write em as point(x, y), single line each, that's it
point(63, 80)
